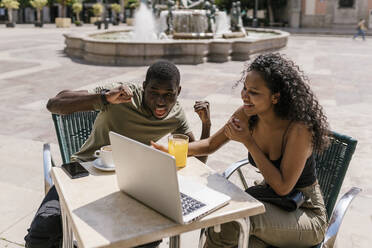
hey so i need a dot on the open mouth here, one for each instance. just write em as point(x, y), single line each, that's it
point(160, 112)
point(248, 105)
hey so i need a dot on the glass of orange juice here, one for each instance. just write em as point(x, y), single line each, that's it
point(178, 145)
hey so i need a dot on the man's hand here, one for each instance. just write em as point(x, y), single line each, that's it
point(202, 109)
point(121, 94)
point(158, 146)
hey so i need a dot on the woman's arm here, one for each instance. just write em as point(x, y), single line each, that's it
point(214, 142)
point(296, 151)
point(209, 145)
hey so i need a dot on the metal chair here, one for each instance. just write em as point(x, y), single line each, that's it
point(72, 131)
point(331, 167)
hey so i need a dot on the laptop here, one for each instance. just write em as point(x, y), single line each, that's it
point(150, 176)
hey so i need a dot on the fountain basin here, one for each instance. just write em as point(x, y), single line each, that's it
point(134, 53)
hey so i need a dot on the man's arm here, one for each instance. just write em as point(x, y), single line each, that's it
point(202, 109)
point(67, 101)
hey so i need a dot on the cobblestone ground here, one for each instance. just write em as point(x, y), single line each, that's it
point(33, 68)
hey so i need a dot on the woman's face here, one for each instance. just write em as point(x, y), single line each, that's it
point(256, 96)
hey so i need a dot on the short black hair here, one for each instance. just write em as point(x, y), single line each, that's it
point(163, 70)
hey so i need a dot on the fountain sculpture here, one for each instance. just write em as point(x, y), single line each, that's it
point(180, 34)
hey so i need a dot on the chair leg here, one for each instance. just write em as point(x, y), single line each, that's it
point(202, 238)
point(244, 232)
point(338, 215)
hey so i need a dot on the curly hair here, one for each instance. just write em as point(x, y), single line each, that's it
point(297, 102)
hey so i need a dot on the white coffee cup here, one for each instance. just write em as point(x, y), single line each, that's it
point(105, 153)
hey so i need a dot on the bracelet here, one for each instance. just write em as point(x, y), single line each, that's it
point(103, 97)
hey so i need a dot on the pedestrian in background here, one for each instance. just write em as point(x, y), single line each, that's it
point(361, 29)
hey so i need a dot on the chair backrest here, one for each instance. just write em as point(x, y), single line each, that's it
point(72, 131)
point(332, 165)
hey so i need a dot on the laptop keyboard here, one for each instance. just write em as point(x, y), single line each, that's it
point(189, 204)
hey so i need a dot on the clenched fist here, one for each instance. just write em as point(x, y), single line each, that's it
point(119, 94)
point(202, 109)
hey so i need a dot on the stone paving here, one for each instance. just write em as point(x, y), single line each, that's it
point(33, 68)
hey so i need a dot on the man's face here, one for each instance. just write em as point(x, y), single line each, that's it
point(160, 96)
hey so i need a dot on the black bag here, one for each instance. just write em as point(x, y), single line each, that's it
point(289, 202)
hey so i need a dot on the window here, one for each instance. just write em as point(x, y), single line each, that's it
point(346, 3)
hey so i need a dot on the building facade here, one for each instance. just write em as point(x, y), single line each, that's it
point(328, 13)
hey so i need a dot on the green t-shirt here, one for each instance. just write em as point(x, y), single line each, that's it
point(132, 120)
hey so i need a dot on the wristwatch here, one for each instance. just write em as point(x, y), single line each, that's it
point(103, 97)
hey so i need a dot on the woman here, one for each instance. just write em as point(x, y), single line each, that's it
point(281, 124)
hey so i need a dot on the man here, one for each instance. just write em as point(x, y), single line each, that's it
point(142, 113)
point(361, 29)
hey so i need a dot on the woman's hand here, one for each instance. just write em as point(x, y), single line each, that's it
point(237, 130)
point(159, 147)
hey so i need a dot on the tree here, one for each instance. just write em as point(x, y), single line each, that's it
point(97, 9)
point(77, 8)
point(116, 8)
point(63, 4)
point(38, 5)
point(10, 5)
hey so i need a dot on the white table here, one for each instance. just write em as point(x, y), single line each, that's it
point(98, 214)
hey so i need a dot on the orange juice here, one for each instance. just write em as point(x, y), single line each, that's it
point(178, 145)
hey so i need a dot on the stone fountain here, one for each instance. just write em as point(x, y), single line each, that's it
point(183, 36)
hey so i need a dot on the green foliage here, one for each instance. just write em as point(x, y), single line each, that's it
point(249, 4)
point(77, 7)
point(97, 9)
point(9, 4)
point(132, 4)
point(223, 4)
point(65, 2)
point(115, 7)
point(24, 3)
point(38, 4)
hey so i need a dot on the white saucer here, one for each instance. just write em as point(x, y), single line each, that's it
point(97, 163)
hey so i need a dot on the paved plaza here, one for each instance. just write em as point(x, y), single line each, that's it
point(33, 68)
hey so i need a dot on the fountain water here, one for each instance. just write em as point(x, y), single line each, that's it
point(222, 23)
point(144, 25)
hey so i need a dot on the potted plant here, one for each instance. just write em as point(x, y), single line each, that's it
point(77, 8)
point(97, 12)
point(130, 6)
point(10, 5)
point(62, 21)
point(115, 10)
point(38, 5)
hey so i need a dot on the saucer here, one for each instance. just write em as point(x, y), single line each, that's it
point(97, 163)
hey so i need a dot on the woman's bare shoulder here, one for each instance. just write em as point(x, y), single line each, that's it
point(299, 130)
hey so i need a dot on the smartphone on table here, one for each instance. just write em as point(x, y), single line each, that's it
point(75, 170)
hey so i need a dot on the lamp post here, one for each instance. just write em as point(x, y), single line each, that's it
point(106, 18)
point(255, 21)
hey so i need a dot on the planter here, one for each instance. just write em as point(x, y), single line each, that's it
point(78, 24)
point(130, 21)
point(63, 22)
point(39, 24)
point(10, 25)
point(93, 20)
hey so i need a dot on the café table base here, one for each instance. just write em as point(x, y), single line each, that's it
point(68, 238)
point(174, 241)
point(243, 233)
